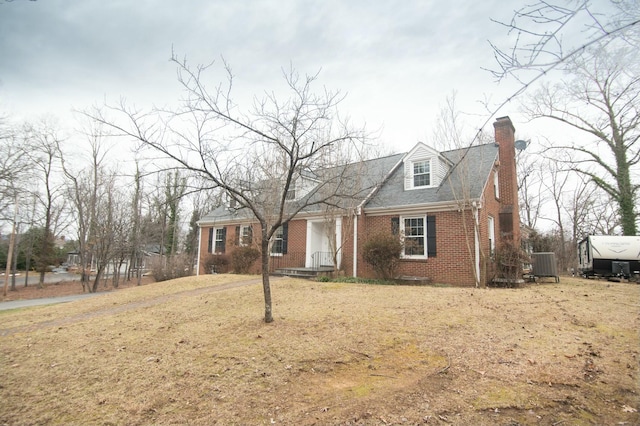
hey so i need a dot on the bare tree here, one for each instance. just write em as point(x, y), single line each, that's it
point(450, 134)
point(603, 218)
point(530, 180)
point(596, 43)
point(340, 207)
point(548, 33)
point(574, 208)
point(201, 203)
point(91, 190)
point(601, 101)
point(124, 215)
point(253, 155)
point(175, 188)
point(13, 168)
point(135, 235)
point(44, 153)
point(102, 236)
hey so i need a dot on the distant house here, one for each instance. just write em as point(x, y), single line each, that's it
point(451, 209)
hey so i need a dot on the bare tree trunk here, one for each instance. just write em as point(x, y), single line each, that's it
point(12, 241)
point(266, 285)
point(96, 281)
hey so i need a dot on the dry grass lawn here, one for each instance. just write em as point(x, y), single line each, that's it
point(196, 351)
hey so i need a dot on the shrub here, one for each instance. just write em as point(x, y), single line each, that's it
point(216, 264)
point(166, 268)
point(508, 264)
point(382, 252)
point(243, 258)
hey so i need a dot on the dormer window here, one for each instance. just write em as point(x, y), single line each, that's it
point(424, 168)
point(291, 193)
point(421, 173)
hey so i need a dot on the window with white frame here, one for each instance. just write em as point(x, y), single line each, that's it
point(414, 233)
point(277, 241)
point(496, 183)
point(291, 193)
point(246, 235)
point(421, 173)
point(492, 236)
point(219, 240)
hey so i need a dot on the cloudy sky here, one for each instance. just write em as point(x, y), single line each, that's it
point(396, 60)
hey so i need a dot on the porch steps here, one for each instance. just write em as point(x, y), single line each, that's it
point(303, 272)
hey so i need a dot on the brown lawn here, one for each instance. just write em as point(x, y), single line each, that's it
point(60, 289)
point(196, 351)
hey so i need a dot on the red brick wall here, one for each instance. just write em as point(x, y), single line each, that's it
point(296, 245)
point(453, 261)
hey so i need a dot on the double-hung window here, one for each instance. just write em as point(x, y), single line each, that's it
point(421, 173)
point(492, 235)
point(277, 241)
point(291, 193)
point(216, 243)
point(414, 237)
point(219, 241)
point(246, 235)
point(418, 234)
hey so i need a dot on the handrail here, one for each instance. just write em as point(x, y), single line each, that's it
point(322, 258)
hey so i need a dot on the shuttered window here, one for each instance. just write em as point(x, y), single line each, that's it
point(418, 235)
point(279, 240)
point(220, 238)
point(244, 235)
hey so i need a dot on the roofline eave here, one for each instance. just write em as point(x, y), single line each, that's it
point(440, 206)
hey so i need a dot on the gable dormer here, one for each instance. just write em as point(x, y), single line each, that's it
point(301, 186)
point(424, 167)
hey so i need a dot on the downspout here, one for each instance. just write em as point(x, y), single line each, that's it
point(476, 235)
point(355, 243)
point(199, 241)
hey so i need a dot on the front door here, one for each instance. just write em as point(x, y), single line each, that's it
point(319, 251)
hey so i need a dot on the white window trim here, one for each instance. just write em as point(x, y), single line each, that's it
point(424, 237)
point(273, 240)
point(491, 225)
point(431, 172)
point(242, 235)
point(291, 194)
point(215, 240)
point(496, 184)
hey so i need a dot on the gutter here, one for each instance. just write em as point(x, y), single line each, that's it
point(441, 206)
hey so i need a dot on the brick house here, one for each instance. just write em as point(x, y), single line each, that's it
point(452, 209)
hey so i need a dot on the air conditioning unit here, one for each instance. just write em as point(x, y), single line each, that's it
point(544, 265)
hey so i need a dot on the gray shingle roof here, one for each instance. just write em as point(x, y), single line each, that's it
point(467, 180)
point(358, 180)
point(470, 177)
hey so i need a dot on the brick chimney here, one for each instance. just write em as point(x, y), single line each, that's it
point(509, 209)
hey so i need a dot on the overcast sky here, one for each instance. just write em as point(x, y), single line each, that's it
point(396, 60)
